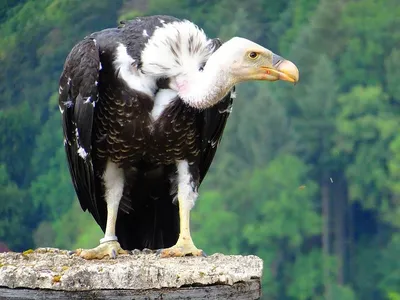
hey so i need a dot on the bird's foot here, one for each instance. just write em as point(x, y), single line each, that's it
point(111, 249)
point(182, 248)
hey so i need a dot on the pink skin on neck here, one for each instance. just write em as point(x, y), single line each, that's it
point(201, 89)
point(183, 87)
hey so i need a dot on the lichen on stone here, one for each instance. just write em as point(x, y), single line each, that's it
point(29, 251)
point(56, 278)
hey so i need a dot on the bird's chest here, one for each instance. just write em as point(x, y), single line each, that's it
point(161, 133)
point(172, 131)
point(173, 136)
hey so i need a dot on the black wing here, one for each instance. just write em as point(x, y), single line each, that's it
point(213, 121)
point(78, 96)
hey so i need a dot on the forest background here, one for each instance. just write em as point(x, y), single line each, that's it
point(307, 177)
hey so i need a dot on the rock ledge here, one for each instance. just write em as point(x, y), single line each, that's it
point(55, 270)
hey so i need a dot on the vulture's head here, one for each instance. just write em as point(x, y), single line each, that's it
point(244, 60)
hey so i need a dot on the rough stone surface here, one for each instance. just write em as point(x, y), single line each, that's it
point(54, 269)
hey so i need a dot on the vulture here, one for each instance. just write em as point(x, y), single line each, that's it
point(144, 106)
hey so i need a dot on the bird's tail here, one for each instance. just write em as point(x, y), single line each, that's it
point(153, 220)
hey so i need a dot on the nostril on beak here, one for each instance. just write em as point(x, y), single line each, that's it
point(276, 59)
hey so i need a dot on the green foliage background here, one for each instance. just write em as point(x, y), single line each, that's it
point(306, 177)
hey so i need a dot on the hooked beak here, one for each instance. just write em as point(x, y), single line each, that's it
point(281, 69)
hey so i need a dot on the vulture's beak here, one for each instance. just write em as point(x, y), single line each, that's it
point(282, 69)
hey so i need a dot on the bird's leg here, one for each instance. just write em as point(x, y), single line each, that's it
point(114, 186)
point(184, 246)
point(187, 196)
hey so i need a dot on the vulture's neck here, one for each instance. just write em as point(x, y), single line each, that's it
point(203, 89)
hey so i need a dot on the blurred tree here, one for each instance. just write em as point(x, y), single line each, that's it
point(52, 189)
point(278, 215)
point(392, 66)
point(366, 119)
point(76, 229)
point(370, 28)
point(299, 13)
point(366, 126)
point(315, 126)
point(6, 8)
point(15, 206)
point(389, 267)
point(44, 235)
point(215, 227)
point(18, 127)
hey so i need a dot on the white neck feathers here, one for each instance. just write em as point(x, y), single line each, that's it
point(204, 89)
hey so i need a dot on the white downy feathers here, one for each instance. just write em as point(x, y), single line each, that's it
point(187, 193)
point(162, 99)
point(131, 75)
point(176, 48)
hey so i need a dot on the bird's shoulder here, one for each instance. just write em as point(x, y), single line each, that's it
point(132, 34)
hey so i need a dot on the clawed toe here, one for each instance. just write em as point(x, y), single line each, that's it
point(111, 249)
point(180, 251)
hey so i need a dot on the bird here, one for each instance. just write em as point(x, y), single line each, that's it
point(143, 107)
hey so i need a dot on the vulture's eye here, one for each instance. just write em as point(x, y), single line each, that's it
point(253, 55)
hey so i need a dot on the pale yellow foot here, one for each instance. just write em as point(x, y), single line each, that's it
point(111, 249)
point(182, 248)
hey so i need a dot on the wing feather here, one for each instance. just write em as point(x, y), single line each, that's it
point(78, 96)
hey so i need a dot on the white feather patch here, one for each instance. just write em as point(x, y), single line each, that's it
point(227, 110)
point(190, 44)
point(123, 64)
point(162, 99)
point(114, 183)
point(187, 193)
point(82, 152)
